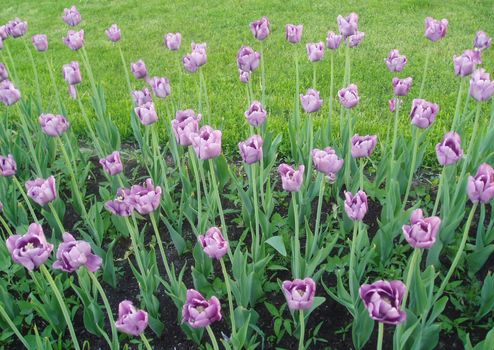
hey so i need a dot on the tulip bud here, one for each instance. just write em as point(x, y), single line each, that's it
point(333, 40)
point(40, 42)
point(348, 25)
point(185, 123)
point(42, 191)
point(363, 146)
point(74, 40)
point(349, 97)
point(161, 86)
point(139, 69)
point(449, 150)
point(395, 62)
point(199, 312)
point(8, 166)
point(146, 113)
point(4, 33)
point(465, 64)
point(213, 243)
point(206, 143)
point(401, 87)
point(260, 28)
point(355, 39)
point(113, 33)
point(4, 74)
point(356, 206)
point(293, 33)
point(130, 320)
point(189, 63)
point(112, 164)
point(326, 161)
point(482, 41)
point(248, 59)
point(72, 73)
point(480, 187)
point(244, 76)
point(199, 53)
point(435, 29)
point(72, 254)
point(141, 97)
point(8, 93)
point(16, 28)
point(71, 16)
point(299, 293)
point(383, 301)
point(291, 179)
point(315, 51)
point(311, 102)
point(481, 85)
point(423, 113)
point(53, 125)
point(251, 149)
point(173, 41)
point(422, 232)
point(256, 114)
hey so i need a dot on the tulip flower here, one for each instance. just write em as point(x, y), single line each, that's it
point(16, 28)
point(186, 122)
point(401, 87)
point(326, 161)
point(196, 58)
point(248, 59)
point(291, 179)
point(199, 312)
point(74, 40)
point(8, 166)
point(449, 151)
point(422, 232)
point(72, 254)
point(356, 205)
point(299, 293)
point(256, 114)
point(42, 191)
point(480, 187)
point(482, 41)
point(311, 102)
point(72, 73)
point(4, 33)
point(173, 41)
point(481, 85)
point(161, 86)
point(349, 97)
point(363, 146)
point(355, 39)
point(122, 205)
point(251, 149)
point(53, 125)
point(213, 243)
point(141, 97)
point(112, 164)
point(113, 33)
point(260, 28)
point(71, 16)
point(146, 197)
point(146, 113)
point(315, 51)
point(244, 76)
point(40, 42)
point(393, 103)
point(8, 93)
point(206, 143)
point(189, 63)
point(333, 40)
point(131, 320)
point(4, 74)
point(1, 43)
point(31, 249)
point(435, 29)
point(395, 62)
point(465, 64)
point(139, 69)
point(348, 25)
point(293, 33)
point(423, 113)
point(383, 301)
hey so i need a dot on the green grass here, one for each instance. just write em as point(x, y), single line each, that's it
point(224, 25)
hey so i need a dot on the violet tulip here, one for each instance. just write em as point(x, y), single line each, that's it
point(251, 149)
point(333, 40)
point(363, 146)
point(465, 64)
point(401, 87)
point(435, 29)
point(4, 74)
point(40, 42)
point(206, 143)
point(383, 301)
point(189, 63)
point(482, 41)
point(139, 69)
point(74, 40)
point(8, 166)
point(349, 97)
point(131, 320)
point(9, 94)
point(31, 249)
point(146, 197)
point(113, 33)
point(72, 73)
point(326, 161)
point(291, 179)
point(146, 113)
point(423, 113)
point(422, 232)
point(348, 25)
point(395, 62)
point(53, 125)
point(173, 41)
point(72, 254)
point(198, 53)
point(260, 28)
point(186, 122)
point(199, 312)
point(355, 39)
point(480, 187)
point(71, 16)
point(4, 33)
point(293, 33)
point(315, 51)
point(42, 191)
point(481, 85)
point(161, 86)
point(122, 205)
point(248, 59)
point(449, 151)
point(311, 102)
point(213, 243)
point(141, 97)
point(16, 28)
point(112, 164)
point(244, 76)
point(356, 205)
point(256, 114)
point(299, 293)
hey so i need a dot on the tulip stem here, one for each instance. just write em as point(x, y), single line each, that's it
point(202, 84)
point(348, 152)
point(412, 170)
point(212, 337)
point(28, 139)
point(180, 84)
point(85, 60)
point(301, 345)
point(327, 132)
point(351, 269)
point(417, 253)
point(160, 245)
point(62, 304)
point(257, 243)
point(13, 327)
point(57, 218)
point(230, 298)
point(146, 342)
point(158, 156)
point(6, 226)
point(346, 78)
point(135, 247)
point(310, 138)
point(90, 128)
point(439, 191)
point(458, 103)
point(380, 336)
point(192, 160)
point(263, 76)
point(127, 78)
point(296, 250)
point(54, 83)
point(26, 199)
point(424, 74)
point(314, 75)
point(14, 70)
point(318, 218)
point(361, 173)
point(35, 73)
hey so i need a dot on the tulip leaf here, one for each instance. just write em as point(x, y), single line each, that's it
point(277, 243)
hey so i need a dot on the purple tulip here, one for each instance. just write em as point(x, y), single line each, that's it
point(186, 122)
point(199, 312)
point(256, 114)
point(40, 42)
point(326, 161)
point(401, 87)
point(356, 205)
point(213, 243)
point(4, 33)
point(348, 25)
point(435, 29)
point(173, 41)
point(248, 59)
point(4, 74)
point(189, 63)
point(355, 39)
point(465, 64)
point(206, 143)
point(113, 33)
point(260, 28)
point(481, 85)
point(16, 28)
point(199, 53)
point(31, 249)
point(42, 191)
point(482, 41)
point(146, 197)
point(293, 33)
point(333, 40)
point(122, 205)
point(363, 146)
point(71, 16)
point(72, 254)
point(139, 69)
point(349, 97)
point(299, 293)
point(8, 93)
point(291, 179)
point(131, 320)
point(161, 86)
point(146, 113)
point(251, 149)
point(112, 164)
point(422, 232)
point(395, 62)
point(244, 76)
point(423, 113)
point(8, 166)
point(53, 125)
point(480, 187)
point(74, 40)
point(383, 301)
point(72, 73)
point(311, 102)
point(315, 51)
point(141, 97)
point(394, 103)
point(449, 150)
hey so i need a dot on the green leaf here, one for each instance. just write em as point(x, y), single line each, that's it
point(277, 243)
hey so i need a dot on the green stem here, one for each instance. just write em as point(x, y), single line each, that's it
point(212, 337)
point(439, 191)
point(302, 330)
point(6, 226)
point(310, 132)
point(12, 62)
point(192, 159)
point(28, 139)
point(54, 83)
point(348, 152)
point(361, 173)
point(26, 199)
point(351, 268)
point(230, 298)
point(126, 69)
point(13, 327)
point(296, 250)
point(380, 336)
point(257, 238)
point(318, 218)
point(57, 218)
point(424, 74)
point(135, 246)
point(35, 73)
point(412, 170)
point(146, 342)
point(202, 82)
point(411, 268)
point(458, 103)
point(160, 245)
point(90, 129)
point(263, 76)
point(314, 75)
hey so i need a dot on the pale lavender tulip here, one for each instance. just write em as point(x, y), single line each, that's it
point(244, 76)
point(260, 28)
point(435, 29)
point(299, 293)
point(198, 53)
point(40, 42)
point(395, 62)
point(146, 197)
point(199, 312)
point(9, 94)
point(213, 243)
point(401, 87)
point(71, 16)
point(422, 232)
point(4, 74)
point(189, 63)
point(74, 40)
point(131, 320)
point(112, 164)
point(161, 86)
point(139, 69)
point(466, 63)
point(363, 146)
point(146, 113)
point(16, 28)
point(333, 40)
point(481, 85)
point(8, 166)
point(449, 151)
point(141, 97)
point(293, 33)
point(53, 125)
point(291, 179)
point(356, 205)
point(348, 25)
point(349, 97)
point(206, 143)
point(122, 205)
point(480, 187)
point(72, 73)
point(423, 113)
point(173, 41)
point(383, 301)
point(248, 59)
point(326, 161)
point(4, 33)
point(113, 33)
point(311, 102)
point(251, 149)
point(256, 114)
point(482, 41)
point(186, 122)
point(72, 254)
point(42, 191)
point(315, 51)
point(355, 39)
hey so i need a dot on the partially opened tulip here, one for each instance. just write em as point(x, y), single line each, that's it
point(131, 320)
point(213, 243)
point(299, 293)
point(401, 87)
point(4, 74)
point(449, 151)
point(356, 206)
point(256, 114)
point(251, 149)
point(72, 73)
point(480, 187)
point(186, 122)
point(8, 166)
point(355, 39)
point(363, 146)
point(72, 254)
point(113, 33)
point(348, 25)
point(9, 94)
point(326, 161)
point(349, 97)
point(422, 232)
point(311, 102)
point(248, 59)
point(40, 42)
point(383, 299)
point(293, 33)
point(31, 249)
point(291, 179)
point(16, 28)
point(482, 41)
point(465, 64)
point(481, 85)
point(189, 63)
point(71, 16)
point(53, 125)
point(260, 28)
point(199, 312)
point(4, 34)
point(141, 97)
point(42, 191)
point(244, 76)
point(198, 53)
point(395, 61)
point(139, 69)
point(146, 113)
point(315, 51)
point(333, 40)
point(74, 40)
point(173, 41)
point(161, 86)
point(423, 113)
point(122, 205)
point(146, 197)
point(206, 143)
point(112, 164)
point(435, 29)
